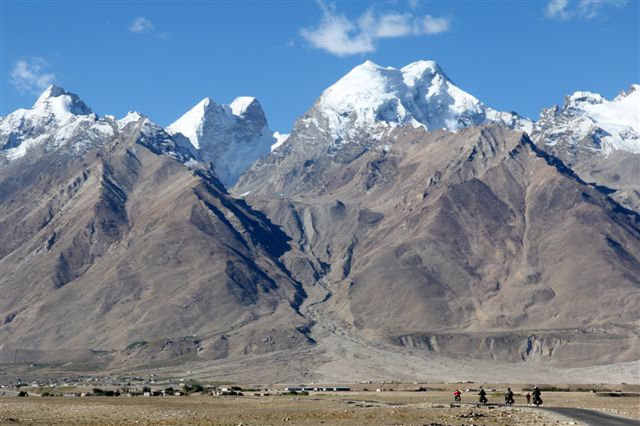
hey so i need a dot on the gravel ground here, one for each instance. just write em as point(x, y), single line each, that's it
point(353, 409)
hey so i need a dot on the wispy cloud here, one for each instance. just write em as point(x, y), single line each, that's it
point(589, 9)
point(413, 3)
point(141, 25)
point(31, 76)
point(557, 9)
point(341, 36)
point(582, 9)
point(432, 25)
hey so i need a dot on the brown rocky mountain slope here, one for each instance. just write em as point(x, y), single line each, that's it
point(475, 243)
point(121, 246)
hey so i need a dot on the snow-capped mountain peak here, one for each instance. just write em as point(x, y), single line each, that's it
point(582, 97)
point(588, 122)
point(230, 136)
point(415, 71)
point(60, 103)
point(634, 88)
point(371, 97)
point(56, 118)
point(131, 117)
point(50, 92)
point(241, 104)
point(190, 124)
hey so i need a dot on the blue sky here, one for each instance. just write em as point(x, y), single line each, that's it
point(161, 58)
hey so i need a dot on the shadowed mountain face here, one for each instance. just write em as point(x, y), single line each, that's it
point(476, 242)
point(121, 244)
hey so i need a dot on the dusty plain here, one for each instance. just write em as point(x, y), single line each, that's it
point(358, 407)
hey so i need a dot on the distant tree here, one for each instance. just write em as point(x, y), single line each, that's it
point(192, 387)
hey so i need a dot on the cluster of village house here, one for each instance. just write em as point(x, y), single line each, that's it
point(219, 391)
point(236, 390)
point(317, 389)
point(144, 389)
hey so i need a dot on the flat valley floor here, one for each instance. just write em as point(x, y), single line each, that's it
point(350, 408)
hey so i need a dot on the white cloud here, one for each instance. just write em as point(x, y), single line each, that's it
point(431, 25)
point(337, 34)
point(31, 75)
point(557, 9)
point(589, 9)
point(390, 25)
point(341, 36)
point(140, 25)
point(582, 9)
